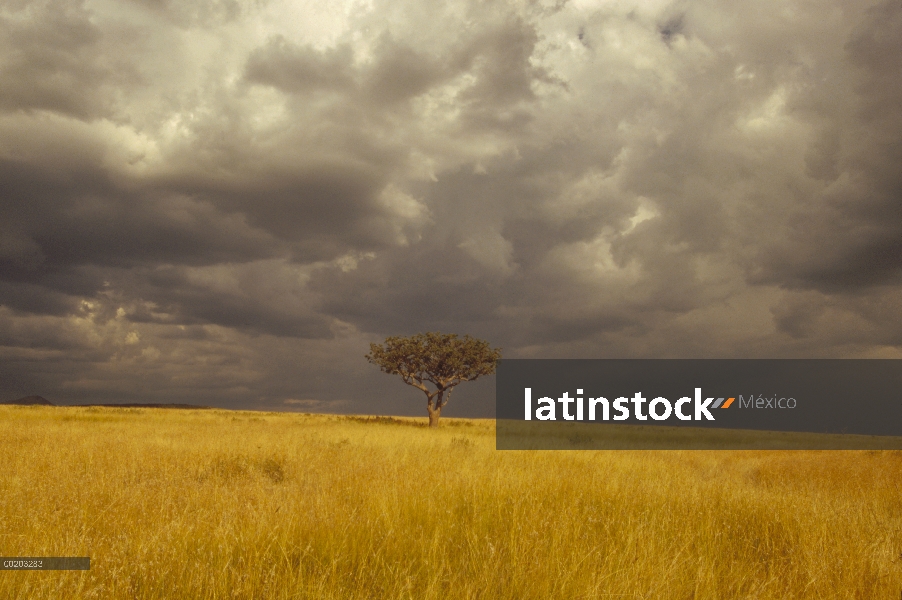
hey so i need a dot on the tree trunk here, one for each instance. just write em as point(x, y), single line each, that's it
point(433, 417)
point(436, 411)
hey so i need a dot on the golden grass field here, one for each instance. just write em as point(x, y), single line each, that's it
point(221, 504)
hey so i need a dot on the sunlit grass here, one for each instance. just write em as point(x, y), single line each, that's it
point(219, 504)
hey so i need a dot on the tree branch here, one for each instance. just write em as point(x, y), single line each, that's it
point(449, 389)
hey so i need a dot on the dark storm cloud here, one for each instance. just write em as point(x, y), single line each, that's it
point(399, 72)
point(496, 56)
point(849, 237)
point(203, 13)
point(484, 252)
point(443, 287)
point(503, 72)
point(254, 298)
point(671, 27)
point(296, 69)
point(31, 298)
point(56, 219)
point(227, 201)
point(53, 57)
point(321, 212)
point(38, 334)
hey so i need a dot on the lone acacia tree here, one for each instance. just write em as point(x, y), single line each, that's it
point(444, 360)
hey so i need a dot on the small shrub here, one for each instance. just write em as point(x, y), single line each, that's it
point(272, 468)
point(235, 468)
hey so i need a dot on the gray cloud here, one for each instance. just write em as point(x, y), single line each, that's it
point(226, 202)
point(296, 69)
point(203, 13)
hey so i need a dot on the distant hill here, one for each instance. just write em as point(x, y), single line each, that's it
point(40, 401)
point(132, 405)
point(30, 401)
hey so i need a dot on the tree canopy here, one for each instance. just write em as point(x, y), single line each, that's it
point(444, 360)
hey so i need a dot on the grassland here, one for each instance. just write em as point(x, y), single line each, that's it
point(219, 504)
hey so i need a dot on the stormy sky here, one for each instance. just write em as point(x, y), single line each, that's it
point(224, 202)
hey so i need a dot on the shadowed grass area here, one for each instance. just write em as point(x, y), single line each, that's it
point(222, 504)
